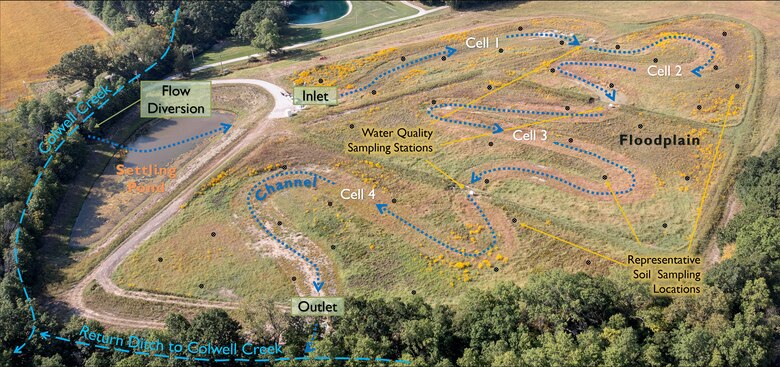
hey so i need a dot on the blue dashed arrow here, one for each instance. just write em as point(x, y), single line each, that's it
point(611, 94)
point(18, 348)
point(383, 209)
point(496, 128)
point(223, 127)
point(696, 71)
point(573, 41)
point(449, 51)
point(318, 284)
point(477, 177)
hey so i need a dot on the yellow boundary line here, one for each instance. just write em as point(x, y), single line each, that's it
point(114, 115)
point(573, 244)
point(709, 175)
point(543, 65)
point(624, 214)
point(445, 174)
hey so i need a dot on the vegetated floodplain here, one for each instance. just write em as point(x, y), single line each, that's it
point(33, 37)
point(366, 249)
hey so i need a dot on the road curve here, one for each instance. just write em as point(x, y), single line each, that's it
point(420, 12)
point(281, 103)
point(102, 273)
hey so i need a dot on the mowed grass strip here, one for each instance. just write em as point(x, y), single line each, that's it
point(33, 37)
point(363, 14)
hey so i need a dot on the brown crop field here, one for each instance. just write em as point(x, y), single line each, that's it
point(33, 37)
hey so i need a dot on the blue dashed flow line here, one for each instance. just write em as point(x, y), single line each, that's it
point(539, 34)
point(444, 244)
point(696, 71)
point(496, 109)
point(387, 72)
point(572, 40)
point(223, 360)
point(598, 64)
point(268, 232)
point(610, 94)
point(157, 149)
point(475, 177)
point(18, 349)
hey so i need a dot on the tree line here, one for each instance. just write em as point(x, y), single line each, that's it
point(202, 23)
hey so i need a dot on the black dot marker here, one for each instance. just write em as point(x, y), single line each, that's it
point(552, 70)
point(561, 42)
point(736, 86)
point(687, 178)
point(487, 181)
point(617, 47)
point(443, 58)
point(604, 177)
point(403, 58)
point(567, 108)
point(495, 269)
point(394, 201)
point(320, 81)
point(279, 223)
point(514, 220)
point(640, 126)
point(332, 247)
point(489, 87)
point(500, 50)
point(414, 292)
point(159, 259)
point(373, 92)
point(200, 285)
point(351, 126)
point(213, 234)
point(571, 140)
point(664, 225)
point(294, 279)
point(433, 101)
point(698, 107)
point(611, 85)
point(655, 59)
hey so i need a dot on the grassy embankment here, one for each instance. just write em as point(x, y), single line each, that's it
point(363, 14)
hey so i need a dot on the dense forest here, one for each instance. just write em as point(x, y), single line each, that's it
point(556, 319)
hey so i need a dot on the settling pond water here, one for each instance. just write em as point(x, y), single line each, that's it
point(313, 12)
point(162, 132)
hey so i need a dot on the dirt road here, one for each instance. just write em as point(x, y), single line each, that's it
point(102, 273)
